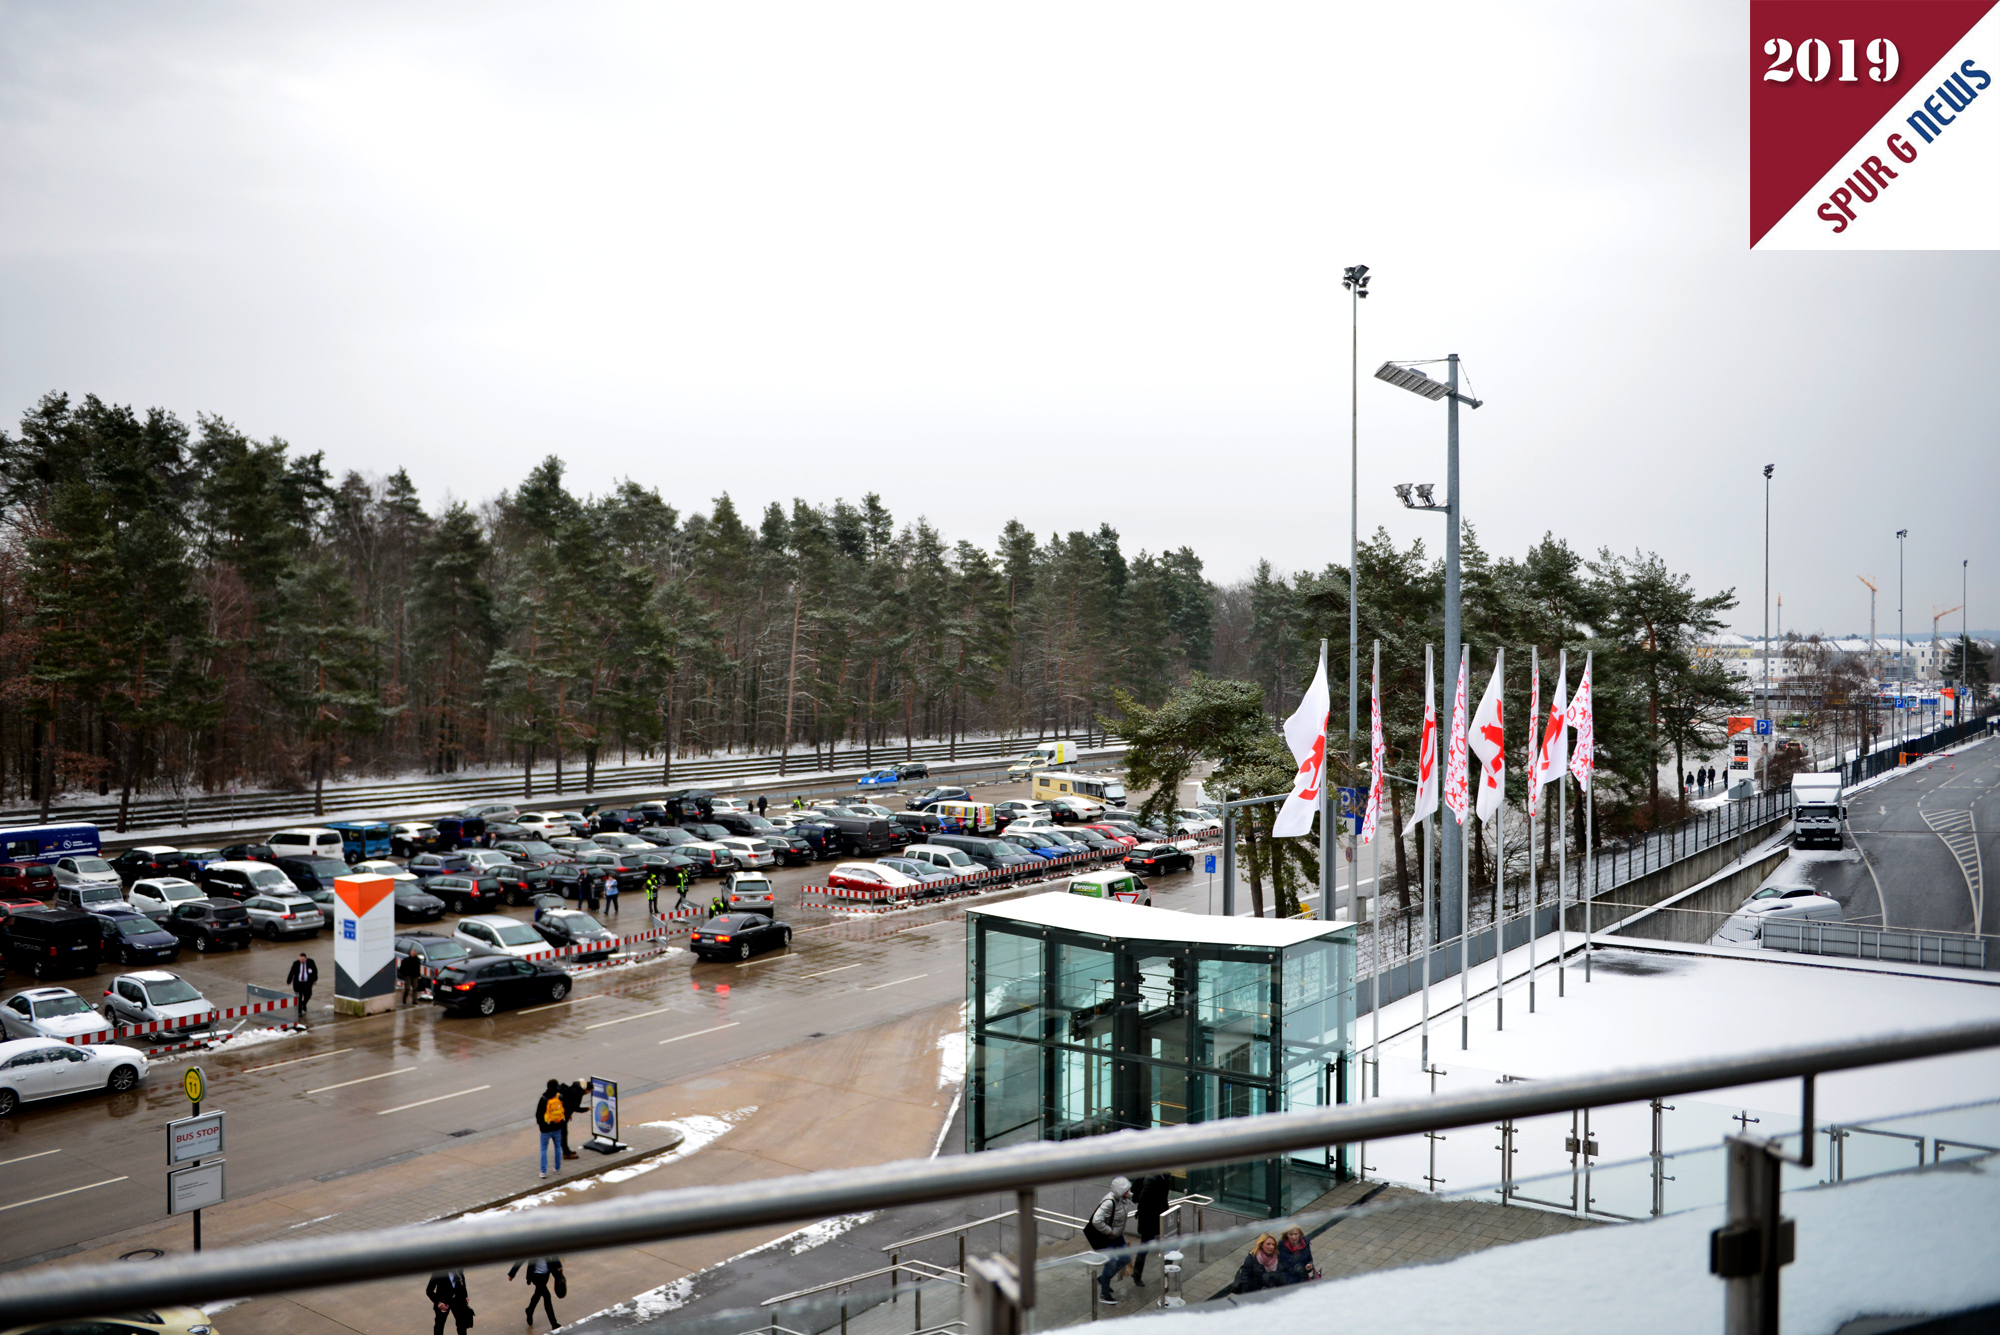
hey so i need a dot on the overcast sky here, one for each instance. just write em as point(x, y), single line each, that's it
point(1068, 263)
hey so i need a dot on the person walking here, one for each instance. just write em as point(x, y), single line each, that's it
point(1105, 1232)
point(611, 894)
point(449, 1298)
point(681, 883)
point(543, 1271)
point(302, 975)
point(572, 1099)
point(410, 969)
point(586, 892)
point(1260, 1268)
point(550, 1118)
point(763, 804)
point(1295, 1257)
point(1149, 1200)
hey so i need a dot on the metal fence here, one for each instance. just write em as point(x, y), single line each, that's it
point(1856, 941)
point(1891, 756)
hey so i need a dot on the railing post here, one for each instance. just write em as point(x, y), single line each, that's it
point(1753, 1243)
point(1025, 1244)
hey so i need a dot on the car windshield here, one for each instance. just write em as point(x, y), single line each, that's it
point(575, 923)
point(177, 889)
point(270, 878)
point(136, 927)
point(171, 991)
point(92, 866)
point(758, 823)
point(535, 848)
point(230, 913)
point(517, 934)
point(327, 867)
point(435, 951)
point(60, 1006)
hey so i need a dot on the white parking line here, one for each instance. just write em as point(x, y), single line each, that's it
point(439, 1099)
point(404, 1070)
point(623, 1018)
point(699, 1032)
point(272, 1066)
point(566, 1001)
point(911, 979)
point(71, 1192)
point(24, 1158)
point(824, 972)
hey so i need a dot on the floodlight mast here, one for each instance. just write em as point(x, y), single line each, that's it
point(1450, 905)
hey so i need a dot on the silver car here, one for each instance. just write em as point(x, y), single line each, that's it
point(273, 916)
point(749, 853)
point(155, 994)
point(158, 896)
point(49, 1012)
point(87, 871)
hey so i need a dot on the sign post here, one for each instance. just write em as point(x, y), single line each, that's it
point(604, 1117)
point(189, 1140)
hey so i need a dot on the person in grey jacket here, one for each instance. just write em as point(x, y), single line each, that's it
point(1105, 1232)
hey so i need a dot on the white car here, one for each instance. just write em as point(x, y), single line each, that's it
point(46, 1068)
point(488, 860)
point(1020, 809)
point(871, 876)
point(497, 934)
point(869, 809)
point(49, 1012)
point(542, 824)
point(729, 804)
point(395, 871)
point(750, 892)
point(87, 871)
point(1745, 927)
point(157, 898)
point(1190, 823)
point(749, 852)
point(574, 820)
point(273, 916)
point(155, 994)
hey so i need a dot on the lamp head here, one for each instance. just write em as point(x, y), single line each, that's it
point(1355, 279)
point(1424, 493)
point(1767, 471)
point(1403, 493)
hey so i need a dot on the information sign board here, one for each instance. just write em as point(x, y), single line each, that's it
point(191, 1189)
point(192, 1138)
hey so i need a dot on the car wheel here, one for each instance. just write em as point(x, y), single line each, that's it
point(461, 906)
point(271, 931)
point(743, 951)
point(559, 989)
point(9, 1101)
point(201, 943)
point(785, 940)
point(122, 1079)
point(40, 970)
point(487, 1005)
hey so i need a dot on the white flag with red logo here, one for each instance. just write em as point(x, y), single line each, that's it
point(1457, 779)
point(1552, 756)
point(1534, 752)
point(1427, 753)
point(1305, 733)
point(1583, 759)
point(1489, 743)
point(1378, 754)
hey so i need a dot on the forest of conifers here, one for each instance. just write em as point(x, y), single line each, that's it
point(185, 608)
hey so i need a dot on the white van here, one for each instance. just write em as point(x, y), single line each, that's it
point(307, 842)
point(944, 859)
point(1103, 790)
point(1745, 927)
point(1047, 755)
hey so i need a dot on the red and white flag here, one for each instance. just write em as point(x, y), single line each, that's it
point(1583, 759)
point(1552, 756)
point(1534, 754)
point(1489, 743)
point(1378, 754)
point(1305, 733)
point(1427, 753)
point(1457, 780)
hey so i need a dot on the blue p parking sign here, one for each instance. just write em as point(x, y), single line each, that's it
point(1763, 727)
point(1208, 864)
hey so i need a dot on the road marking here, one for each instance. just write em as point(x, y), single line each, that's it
point(272, 1066)
point(24, 1158)
point(766, 960)
point(824, 972)
point(566, 1001)
point(699, 1032)
point(623, 1018)
point(403, 1070)
point(71, 1192)
point(911, 979)
point(439, 1099)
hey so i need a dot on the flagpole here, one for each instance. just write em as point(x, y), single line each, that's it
point(1430, 846)
point(1500, 864)
point(1464, 866)
point(1562, 847)
point(1536, 731)
point(1327, 809)
point(1589, 836)
point(1375, 982)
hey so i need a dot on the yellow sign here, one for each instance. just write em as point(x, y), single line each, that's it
point(192, 1083)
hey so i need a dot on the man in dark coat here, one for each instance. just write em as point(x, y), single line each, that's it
point(302, 975)
point(449, 1298)
point(410, 970)
point(763, 805)
point(1149, 1202)
point(572, 1099)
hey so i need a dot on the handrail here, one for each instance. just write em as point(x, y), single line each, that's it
point(79, 1290)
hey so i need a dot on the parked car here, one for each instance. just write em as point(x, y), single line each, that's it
point(950, 861)
point(1194, 823)
point(240, 879)
point(1019, 808)
point(433, 952)
point(563, 928)
point(749, 853)
point(992, 853)
point(410, 838)
point(929, 879)
point(665, 836)
point(620, 820)
point(1068, 810)
point(929, 796)
point(74, 871)
point(571, 845)
point(1036, 843)
point(249, 853)
point(314, 873)
point(530, 852)
point(467, 894)
point(311, 841)
point(428, 866)
point(88, 896)
point(1121, 887)
point(395, 871)
point(484, 985)
point(688, 804)
point(148, 860)
point(49, 1012)
point(1148, 859)
point(157, 897)
point(156, 995)
point(416, 904)
point(505, 831)
point(47, 1068)
point(737, 936)
point(131, 937)
point(274, 916)
point(619, 842)
point(571, 822)
point(210, 924)
point(482, 861)
point(27, 880)
point(1745, 927)
point(750, 892)
point(45, 941)
point(873, 878)
point(913, 769)
point(1114, 833)
point(197, 858)
point(495, 934)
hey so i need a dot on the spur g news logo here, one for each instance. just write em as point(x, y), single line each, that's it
point(1874, 124)
point(1314, 769)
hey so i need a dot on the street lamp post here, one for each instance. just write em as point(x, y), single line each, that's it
point(1450, 877)
point(1355, 280)
point(1902, 647)
point(1766, 744)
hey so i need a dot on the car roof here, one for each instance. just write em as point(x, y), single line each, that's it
point(241, 864)
point(490, 919)
point(151, 976)
point(44, 993)
point(153, 848)
point(17, 1045)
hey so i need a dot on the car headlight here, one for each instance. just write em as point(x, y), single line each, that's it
point(201, 1330)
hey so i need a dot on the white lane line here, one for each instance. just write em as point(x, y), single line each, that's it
point(824, 972)
point(439, 1099)
point(24, 1158)
point(699, 1032)
point(71, 1192)
point(566, 1001)
point(911, 979)
point(403, 1070)
point(272, 1066)
point(623, 1018)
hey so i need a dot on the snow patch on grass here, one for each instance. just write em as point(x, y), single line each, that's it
point(951, 1058)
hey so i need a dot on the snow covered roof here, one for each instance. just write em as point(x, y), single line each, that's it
point(1137, 922)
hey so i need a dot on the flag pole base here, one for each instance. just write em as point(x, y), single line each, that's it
point(1465, 1033)
point(1531, 996)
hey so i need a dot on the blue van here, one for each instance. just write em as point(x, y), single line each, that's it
point(31, 845)
point(362, 840)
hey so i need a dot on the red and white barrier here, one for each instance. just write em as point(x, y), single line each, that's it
point(113, 1033)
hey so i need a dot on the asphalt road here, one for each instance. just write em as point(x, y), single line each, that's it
point(1916, 848)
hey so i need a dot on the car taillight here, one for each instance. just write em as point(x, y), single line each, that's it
point(52, 950)
point(722, 938)
point(462, 987)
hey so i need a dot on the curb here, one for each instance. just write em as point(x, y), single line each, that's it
point(673, 1141)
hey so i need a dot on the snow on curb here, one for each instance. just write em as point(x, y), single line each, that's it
point(697, 1132)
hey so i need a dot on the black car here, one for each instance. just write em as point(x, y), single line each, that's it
point(467, 894)
point(930, 797)
point(130, 937)
point(485, 984)
point(427, 866)
point(691, 804)
point(919, 825)
point(433, 952)
point(566, 927)
point(1146, 859)
point(247, 853)
point(141, 864)
point(210, 924)
point(622, 820)
point(531, 851)
point(666, 836)
point(50, 941)
point(737, 936)
point(913, 769)
point(416, 904)
point(314, 873)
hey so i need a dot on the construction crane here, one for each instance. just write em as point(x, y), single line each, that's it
point(1937, 664)
point(1871, 619)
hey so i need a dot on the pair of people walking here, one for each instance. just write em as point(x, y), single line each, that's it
point(1274, 1263)
point(1142, 1202)
point(450, 1298)
point(557, 1104)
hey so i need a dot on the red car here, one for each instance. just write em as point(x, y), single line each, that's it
point(873, 878)
point(27, 881)
point(1113, 833)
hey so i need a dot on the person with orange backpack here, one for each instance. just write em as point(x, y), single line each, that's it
point(550, 1117)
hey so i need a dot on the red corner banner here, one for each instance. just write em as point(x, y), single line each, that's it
point(1874, 125)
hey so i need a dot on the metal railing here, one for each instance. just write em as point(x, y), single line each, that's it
point(1884, 759)
point(1859, 941)
point(78, 1290)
